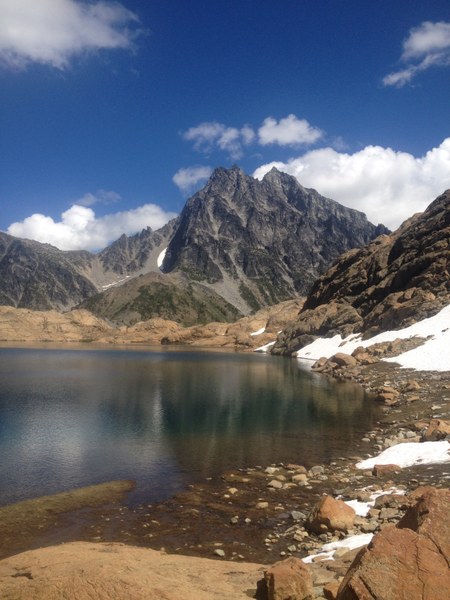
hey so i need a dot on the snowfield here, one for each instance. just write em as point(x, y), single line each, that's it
point(433, 355)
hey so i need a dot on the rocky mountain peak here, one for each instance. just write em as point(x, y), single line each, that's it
point(261, 242)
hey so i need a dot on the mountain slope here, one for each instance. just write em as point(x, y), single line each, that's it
point(394, 281)
point(261, 242)
point(39, 276)
point(170, 296)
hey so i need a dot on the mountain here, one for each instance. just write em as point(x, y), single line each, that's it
point(39, 276)
point(260, 242)
point(42, 277)
point(392, 282)
point(239, 244)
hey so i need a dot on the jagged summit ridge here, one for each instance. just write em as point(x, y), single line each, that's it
point(254, 243)
point(264, 241)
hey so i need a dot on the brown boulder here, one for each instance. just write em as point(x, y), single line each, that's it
point(381, 470)
point(289, 579)
point(408, 561)
point(438, 429)
point(330, 514)
point(344, 360)
point(430, 517)
point(399, 564)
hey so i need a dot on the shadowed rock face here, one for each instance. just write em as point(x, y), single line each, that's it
point(39, 276)
point(264, 240)
point(392, 282)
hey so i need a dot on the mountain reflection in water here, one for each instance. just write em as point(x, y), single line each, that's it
point(74, 417)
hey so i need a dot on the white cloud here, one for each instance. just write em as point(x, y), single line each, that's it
point(187, 179)
point(388, 186)
point(80, 229)
point(426, 46)
point(210, 135)
point(52, 32)
point(100, 197)
point(289, 131)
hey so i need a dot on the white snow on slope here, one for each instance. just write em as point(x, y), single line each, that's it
point(264, 348)
point(433, 355)
point(362, 508)
point(409, 454)
point(160, 259)
point(351, 542)
point(259, 332)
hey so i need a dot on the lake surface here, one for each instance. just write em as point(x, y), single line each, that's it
point(75, 417)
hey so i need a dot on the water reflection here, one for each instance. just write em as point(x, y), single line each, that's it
point(70, 418)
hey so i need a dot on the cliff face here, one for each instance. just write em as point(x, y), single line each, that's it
point(138, 253)
point(394, 281)
point(260, 242)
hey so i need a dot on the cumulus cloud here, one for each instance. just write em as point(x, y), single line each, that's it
point(187, 179)
point(52, 32)
point(210, 135)
point(388, 186)
point(426, 46)
point(80, 229)
point(289, 131)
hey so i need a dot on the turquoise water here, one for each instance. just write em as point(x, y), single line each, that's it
point(75, 417)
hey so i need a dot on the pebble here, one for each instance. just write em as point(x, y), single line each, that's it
point(275, 484)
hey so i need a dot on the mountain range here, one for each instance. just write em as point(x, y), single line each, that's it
point(238, 245)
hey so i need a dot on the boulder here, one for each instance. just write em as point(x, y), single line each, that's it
point(407, 561)
point(399, 564)
point(330, 514)
point(289, 579)
point(438, 429)
point(430, 517)
point(344, 360)
point(381, 470)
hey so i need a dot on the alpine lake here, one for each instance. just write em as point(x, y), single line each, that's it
point(73, 416)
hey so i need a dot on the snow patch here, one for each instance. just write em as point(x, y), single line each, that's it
point(409, 454)
point(259, 332)
point(108, 285)
point(265, 348)
point(160, 259)
point(351, 542)
point(362, 508)
point(433, 355)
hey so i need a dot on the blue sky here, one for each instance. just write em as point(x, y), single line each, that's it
point(112, 114)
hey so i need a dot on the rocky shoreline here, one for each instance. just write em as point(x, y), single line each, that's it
point(260, 514)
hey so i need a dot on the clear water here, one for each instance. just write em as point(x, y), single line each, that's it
point(75, 417)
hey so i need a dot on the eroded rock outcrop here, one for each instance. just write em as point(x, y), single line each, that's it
point(392, 282)
point(84, 571)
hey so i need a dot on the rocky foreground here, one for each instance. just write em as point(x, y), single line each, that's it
point(267, 514)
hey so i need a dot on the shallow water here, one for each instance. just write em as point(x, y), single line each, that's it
point(73, 417)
